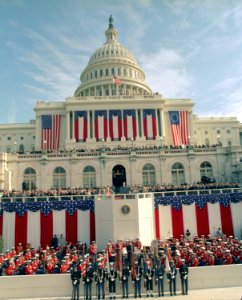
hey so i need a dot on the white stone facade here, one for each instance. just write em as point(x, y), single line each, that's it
point(142, 160)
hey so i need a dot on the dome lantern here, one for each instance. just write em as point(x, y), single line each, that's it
point(111, 32)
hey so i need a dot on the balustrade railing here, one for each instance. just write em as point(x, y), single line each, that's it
point(126, 196)
point(115, 152)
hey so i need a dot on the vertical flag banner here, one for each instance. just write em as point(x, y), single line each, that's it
point(101, 126)
point(129, 117)
point(149, 124)
point(179, 127)
point(115, 125)
point(50, 131)
point(80, 126)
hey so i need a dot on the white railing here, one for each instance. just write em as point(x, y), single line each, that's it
point(121, 196)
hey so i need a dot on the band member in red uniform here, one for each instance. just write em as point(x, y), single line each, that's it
point(11, 269)
point(29, 268)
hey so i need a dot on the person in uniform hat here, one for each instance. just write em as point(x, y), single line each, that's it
point(148, 276)
point(124, 278)
point(137, 272)
point(171, 277)
point(100, 281)
point(87, 279)
point(112, 275)
point(159, 277)
point(75, 278)
point(183, 270)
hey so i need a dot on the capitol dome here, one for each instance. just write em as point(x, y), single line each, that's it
point(112, 70)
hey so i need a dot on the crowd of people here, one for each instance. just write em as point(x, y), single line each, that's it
point(122, 261)
point(110, 190)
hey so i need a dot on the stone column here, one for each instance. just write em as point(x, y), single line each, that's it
point(38, 133)
point(137, 125)
point(73, 125)
point(190, 130)
point(157, 124)
point(68, 126)
point(141, 123)
point(163, 127)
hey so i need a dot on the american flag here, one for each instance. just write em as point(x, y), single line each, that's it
point(50, 132)
point(117, 80)
point(179, 127)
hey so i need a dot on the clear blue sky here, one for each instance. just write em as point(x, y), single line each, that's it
point(187, 48)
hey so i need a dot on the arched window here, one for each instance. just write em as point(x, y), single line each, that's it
point(206, 169)
point(59, 178)
point(29, 182)
point(178, 174)
point(89, 177)
point(149, 178)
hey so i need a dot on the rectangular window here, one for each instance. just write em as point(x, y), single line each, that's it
point(95, 74)
point(101, 73)
point(106, 72)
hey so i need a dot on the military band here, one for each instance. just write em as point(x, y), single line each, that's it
point(124, 260)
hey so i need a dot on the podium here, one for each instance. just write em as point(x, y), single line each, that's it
point(124, 217)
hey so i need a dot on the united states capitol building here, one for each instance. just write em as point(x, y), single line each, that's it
point(116, 131)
